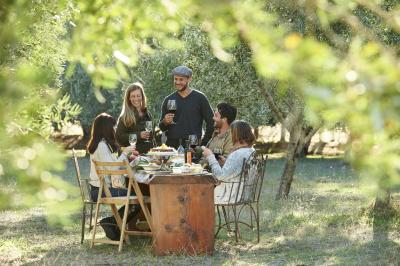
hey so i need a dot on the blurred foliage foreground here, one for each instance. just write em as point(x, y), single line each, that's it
point(340, 59)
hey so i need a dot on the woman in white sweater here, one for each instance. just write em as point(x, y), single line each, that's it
point(102, 147)
point(242, 139)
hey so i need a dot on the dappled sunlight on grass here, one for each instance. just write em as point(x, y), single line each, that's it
point(324, 221)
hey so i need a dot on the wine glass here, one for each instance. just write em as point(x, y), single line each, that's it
point(163, 138)
point(193, 142)
point(217, 153)
point(164, 159)
point(132, 139)
point(171, 106)
point(148, 126)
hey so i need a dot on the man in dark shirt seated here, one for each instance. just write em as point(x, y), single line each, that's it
point(191, 109)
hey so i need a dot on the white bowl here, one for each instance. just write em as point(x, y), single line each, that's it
point(151, 167)
point(177, 170)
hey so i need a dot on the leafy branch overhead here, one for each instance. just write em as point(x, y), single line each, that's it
point(340, 60)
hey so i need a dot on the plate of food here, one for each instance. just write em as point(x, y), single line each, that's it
point(162, 150)
point(188, 169)
point(151, 167)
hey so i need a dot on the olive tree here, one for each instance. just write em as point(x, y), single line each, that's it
point(346, 74)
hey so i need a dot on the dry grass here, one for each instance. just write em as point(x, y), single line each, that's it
point(323, 222)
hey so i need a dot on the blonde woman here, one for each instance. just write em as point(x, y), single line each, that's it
point(133, 117)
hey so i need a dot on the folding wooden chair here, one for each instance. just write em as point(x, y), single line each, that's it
point(103, 170)
point(85, 194)
point(243, 193)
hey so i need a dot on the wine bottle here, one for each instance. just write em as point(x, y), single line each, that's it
point(188, 154)
point(189, 157)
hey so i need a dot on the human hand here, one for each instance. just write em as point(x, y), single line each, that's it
point(168, 118)
point(206, 152)
point(144, 135)
point(130, 149)
point(221, 160)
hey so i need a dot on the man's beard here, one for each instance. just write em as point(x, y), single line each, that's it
point(217, 125)
point(183, 88)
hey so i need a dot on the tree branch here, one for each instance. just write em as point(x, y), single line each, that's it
point(312, 133)
point(388, 17)
point(357, 26)
point(272, 105)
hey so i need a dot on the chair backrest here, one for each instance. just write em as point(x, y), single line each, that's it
point(104, 169)
point(261, 176)
point(251, 179)
point(82, 182)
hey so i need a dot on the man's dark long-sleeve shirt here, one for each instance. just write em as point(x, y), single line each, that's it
point(190, 113)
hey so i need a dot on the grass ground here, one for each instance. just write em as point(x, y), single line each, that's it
point(323, 222)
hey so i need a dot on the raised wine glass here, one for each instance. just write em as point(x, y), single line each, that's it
point(132, 139)
point(193, 142)
point(148, 126)
point(171, 106)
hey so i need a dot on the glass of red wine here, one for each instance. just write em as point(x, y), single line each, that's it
point(171, 107)
point(217, 153)
point(193, 142)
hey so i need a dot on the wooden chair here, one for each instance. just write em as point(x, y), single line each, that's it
point(243, 193)
point(123, 169)
point(85, 194)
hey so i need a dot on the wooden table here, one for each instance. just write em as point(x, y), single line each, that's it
point(182, 208)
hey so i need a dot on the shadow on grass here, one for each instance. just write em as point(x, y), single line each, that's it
point(311, 244)
point(321, 223)
point(32, 224)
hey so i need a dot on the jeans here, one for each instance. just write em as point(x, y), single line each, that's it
point(116, 192)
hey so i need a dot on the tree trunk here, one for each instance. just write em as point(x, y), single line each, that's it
point(256, 132)
point(295, 146)
point(299, 136)
point(382, 203)
point(382, 213)
point(288, 173)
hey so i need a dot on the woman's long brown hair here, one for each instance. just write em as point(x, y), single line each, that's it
point(102, 128)
point(128, 111)
point(242, 133)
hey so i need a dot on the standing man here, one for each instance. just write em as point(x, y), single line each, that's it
point(192, 108)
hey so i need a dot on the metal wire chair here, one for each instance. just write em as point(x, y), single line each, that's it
point(243, 193)
point(85, 194)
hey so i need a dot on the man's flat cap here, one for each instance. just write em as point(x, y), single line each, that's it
point(182, 71)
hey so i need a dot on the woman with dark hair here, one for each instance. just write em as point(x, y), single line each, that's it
point(102, 147)
point(242, 139)
point(133, 117)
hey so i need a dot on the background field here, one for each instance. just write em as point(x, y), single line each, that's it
point(325, 221)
